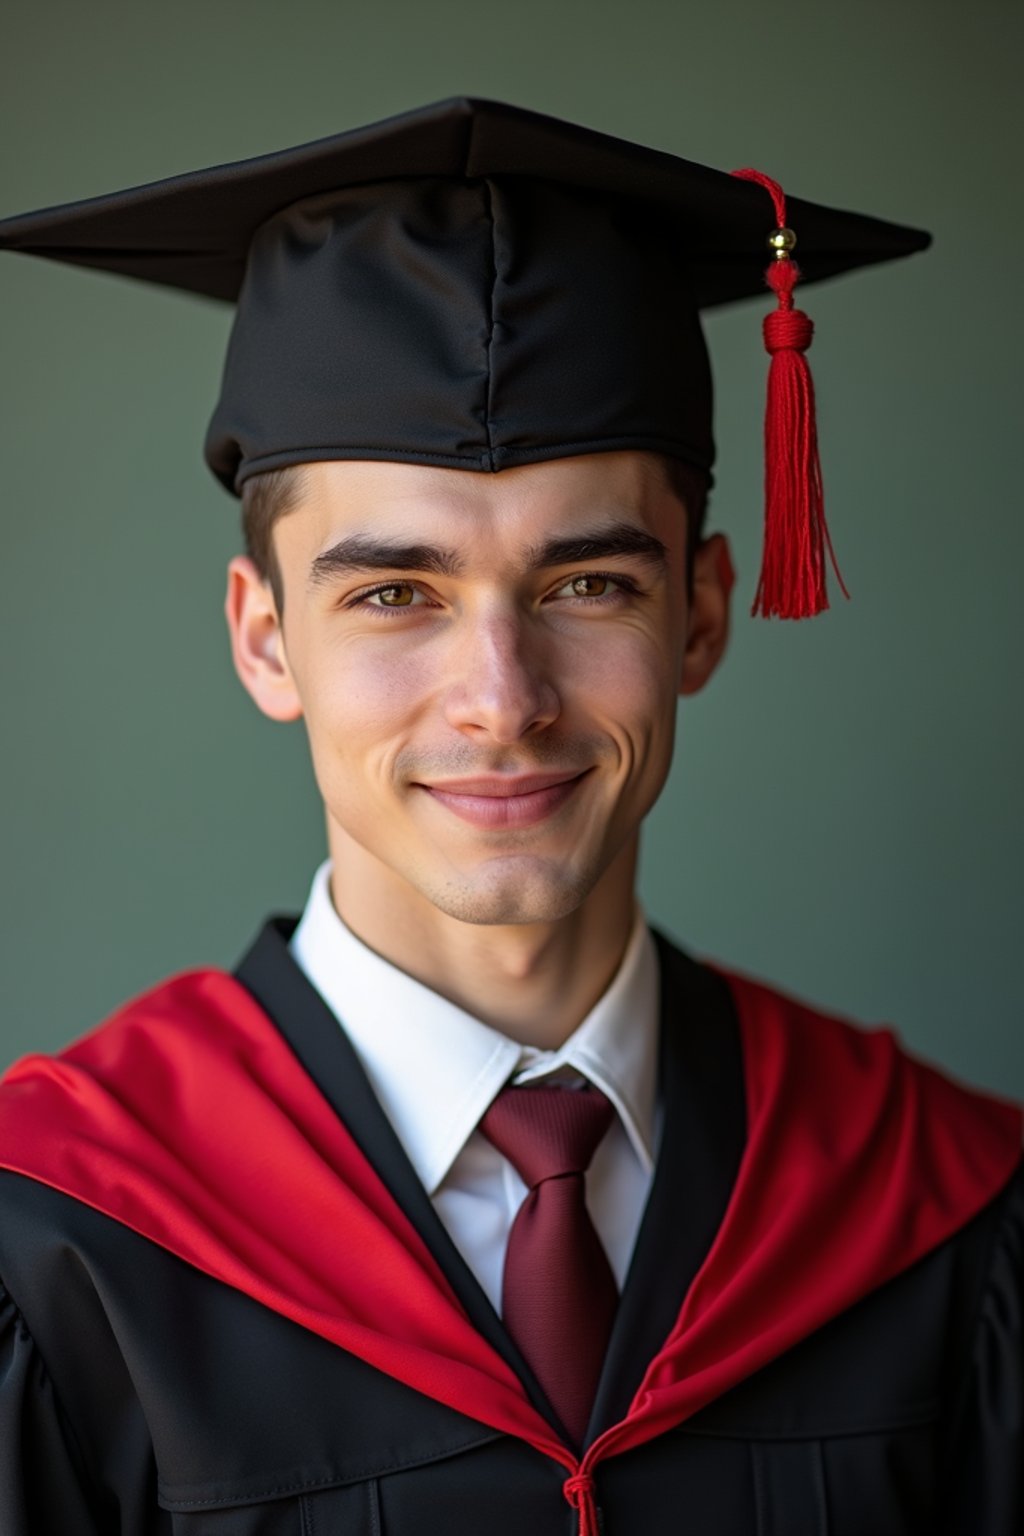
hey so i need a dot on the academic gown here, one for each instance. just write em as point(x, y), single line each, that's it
point(139, 1395)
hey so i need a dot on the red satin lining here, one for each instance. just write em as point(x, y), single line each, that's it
point(188, 1119)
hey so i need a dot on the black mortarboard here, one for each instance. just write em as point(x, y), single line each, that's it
point(469, 284)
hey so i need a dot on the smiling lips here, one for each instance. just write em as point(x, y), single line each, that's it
point(504, 801)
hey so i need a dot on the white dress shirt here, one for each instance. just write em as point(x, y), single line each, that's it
point(436, 1069)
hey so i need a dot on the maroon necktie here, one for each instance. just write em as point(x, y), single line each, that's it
point(558, 1293)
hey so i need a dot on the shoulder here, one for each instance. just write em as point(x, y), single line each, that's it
point(178, 1062)
point(815, 1047)
point(57, 1109)
point(825, 1092)
point(202, 1010)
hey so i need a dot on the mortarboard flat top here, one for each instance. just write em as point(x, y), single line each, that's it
point(467, 284)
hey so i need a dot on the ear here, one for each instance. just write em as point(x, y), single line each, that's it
point(708, 629)
point(257, 641)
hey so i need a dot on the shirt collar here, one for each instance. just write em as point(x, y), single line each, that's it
point(436, 1069)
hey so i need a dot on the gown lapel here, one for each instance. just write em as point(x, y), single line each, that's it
point(270, 973)
point(703, 1117)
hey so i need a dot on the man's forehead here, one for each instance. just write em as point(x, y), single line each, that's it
point(384, 498)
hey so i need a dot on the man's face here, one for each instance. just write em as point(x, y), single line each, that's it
point(487, 665)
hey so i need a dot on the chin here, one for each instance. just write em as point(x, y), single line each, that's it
point(513, 895)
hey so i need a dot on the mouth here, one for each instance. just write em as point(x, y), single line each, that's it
point(506, 801)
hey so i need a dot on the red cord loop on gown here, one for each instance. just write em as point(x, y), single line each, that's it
point(579, 1493)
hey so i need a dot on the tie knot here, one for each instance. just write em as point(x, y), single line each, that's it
point(547, 1132)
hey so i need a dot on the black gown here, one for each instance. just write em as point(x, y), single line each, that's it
point(139, 1396)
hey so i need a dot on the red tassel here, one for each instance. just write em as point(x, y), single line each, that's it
point(792, 583)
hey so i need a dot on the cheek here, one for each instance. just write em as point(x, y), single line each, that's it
point(629, 677)
point(636, 694)
point(360, 701)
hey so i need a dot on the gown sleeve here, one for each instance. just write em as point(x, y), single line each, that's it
point(984, 1452)
point(43, 1486)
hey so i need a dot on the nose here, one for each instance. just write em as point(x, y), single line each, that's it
point(501, 686)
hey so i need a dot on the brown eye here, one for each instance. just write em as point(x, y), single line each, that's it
point(398, 596)
point(589, 586)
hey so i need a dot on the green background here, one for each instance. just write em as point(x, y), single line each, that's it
point(844, 813)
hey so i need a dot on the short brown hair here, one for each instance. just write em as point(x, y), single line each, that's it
point(691, 485)
point(270, 494)
point(266, 497)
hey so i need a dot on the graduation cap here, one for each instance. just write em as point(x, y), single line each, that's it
point(478, 286)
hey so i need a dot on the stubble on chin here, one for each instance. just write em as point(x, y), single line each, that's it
point(513, 895)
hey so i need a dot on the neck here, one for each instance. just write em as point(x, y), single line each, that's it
point(535, 982)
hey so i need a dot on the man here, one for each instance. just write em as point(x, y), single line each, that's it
point(468, 1200)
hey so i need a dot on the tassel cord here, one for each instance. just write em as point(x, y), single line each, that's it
point(797, 543)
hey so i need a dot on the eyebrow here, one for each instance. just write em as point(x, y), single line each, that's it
point(600, 544)
point(362, 552)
